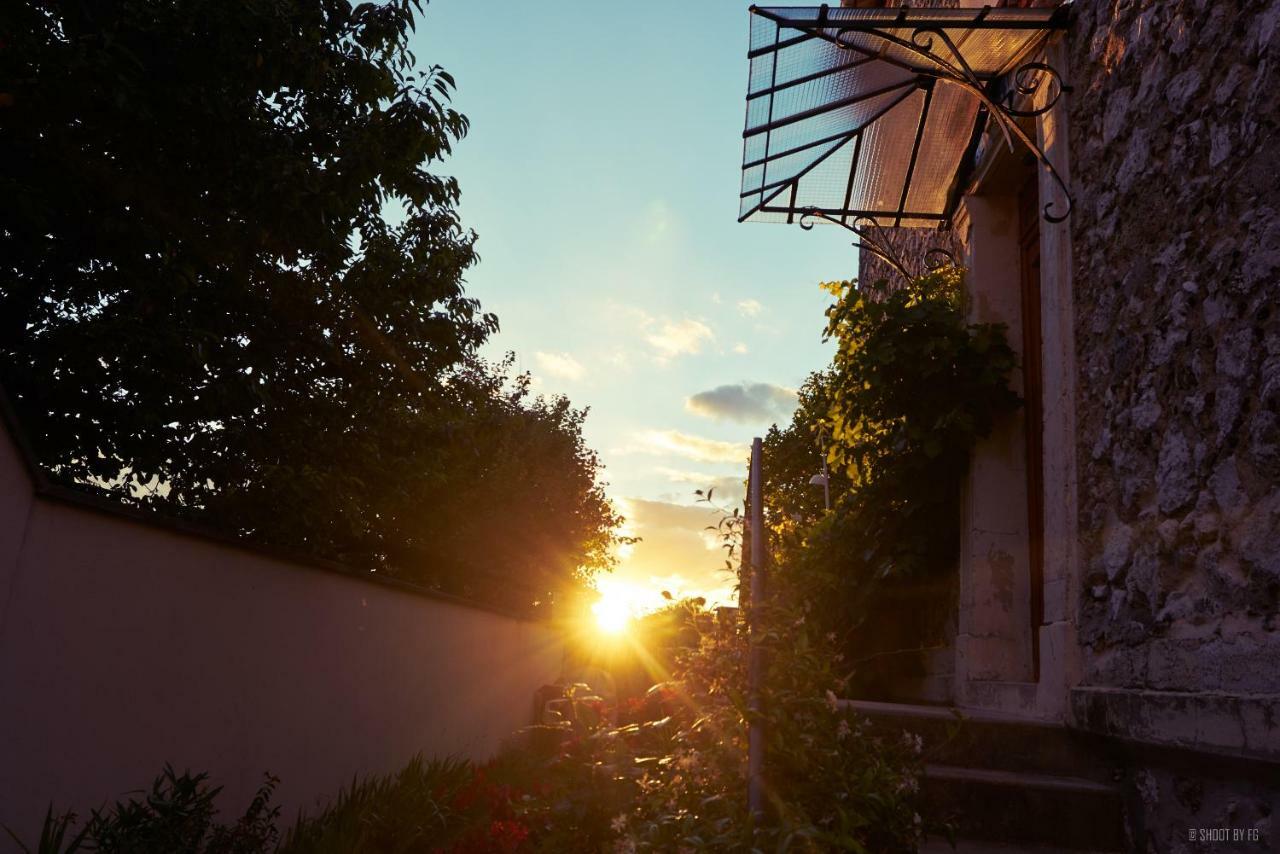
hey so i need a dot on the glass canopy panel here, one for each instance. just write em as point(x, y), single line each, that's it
point(870, 112)
point(827, 184)
point(886, 157)
point(946, 135)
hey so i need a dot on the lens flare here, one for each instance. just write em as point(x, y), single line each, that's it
point(612, 614)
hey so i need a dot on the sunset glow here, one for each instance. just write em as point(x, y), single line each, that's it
point(689, 334)
point(612, 615)
point(621, 601)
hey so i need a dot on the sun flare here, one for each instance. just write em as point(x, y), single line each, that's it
point(612, 614)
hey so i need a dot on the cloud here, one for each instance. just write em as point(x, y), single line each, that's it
point(671, 338)
point(740, 348)
point(729, 489)
point(667, 336)
point(745, 403)
point(692, 447)
point(643, 513)
point(676, 552)
point(560, 365)
point(750, 307)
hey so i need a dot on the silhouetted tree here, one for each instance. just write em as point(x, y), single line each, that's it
point(231, 282)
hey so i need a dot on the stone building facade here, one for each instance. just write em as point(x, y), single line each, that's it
point(1176, 263)
point(1150, 616)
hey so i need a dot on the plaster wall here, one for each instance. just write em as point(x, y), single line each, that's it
point(126, 645)
point(15, 506)
point(993, 643)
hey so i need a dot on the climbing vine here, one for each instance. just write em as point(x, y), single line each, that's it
point(912, 387)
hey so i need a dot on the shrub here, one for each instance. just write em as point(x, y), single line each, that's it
point(831, 784)
point(176, 815)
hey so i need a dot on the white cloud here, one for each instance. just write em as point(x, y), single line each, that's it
point(671, 338)
point(745, 403)
point(668, 337)
point(560, 365)
point(692, 447)
point(750, 307)
point(740, 348)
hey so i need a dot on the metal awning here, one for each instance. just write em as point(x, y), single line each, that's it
point(857, 115)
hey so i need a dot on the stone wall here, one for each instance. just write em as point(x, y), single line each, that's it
point(1176, 239)
point(1175, 162)
point(910, 245)
point(1175, 167)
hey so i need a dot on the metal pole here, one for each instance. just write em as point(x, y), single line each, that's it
point(755, 729)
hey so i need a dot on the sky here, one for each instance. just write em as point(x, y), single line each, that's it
point(601, 172)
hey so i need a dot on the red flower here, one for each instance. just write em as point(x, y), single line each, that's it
point(500, 837)
point(508, 836)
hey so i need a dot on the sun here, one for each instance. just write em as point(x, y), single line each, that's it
point(612, 613)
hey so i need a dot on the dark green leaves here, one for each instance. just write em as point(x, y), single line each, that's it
point(199, 289)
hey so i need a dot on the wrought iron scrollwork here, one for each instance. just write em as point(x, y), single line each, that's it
point(874, 238)
point(1026, 80)
point(937, 258)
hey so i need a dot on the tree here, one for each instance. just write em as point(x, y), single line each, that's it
point(793, 454)
point(231, 278)
point(517, 510)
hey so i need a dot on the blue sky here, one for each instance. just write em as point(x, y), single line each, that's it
point(601, 173)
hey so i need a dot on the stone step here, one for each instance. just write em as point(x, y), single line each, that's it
point(994, 741)
point(937, 690)
point(1016, 698)
point(976, 846)
point(1025, 809)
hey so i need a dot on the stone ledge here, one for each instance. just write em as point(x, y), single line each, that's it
point(1235, 725)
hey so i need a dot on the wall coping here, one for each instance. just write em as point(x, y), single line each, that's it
point(1231, 726)
point(46, 488)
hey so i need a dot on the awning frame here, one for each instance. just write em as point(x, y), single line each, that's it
point(873, 238)
point(935, 56)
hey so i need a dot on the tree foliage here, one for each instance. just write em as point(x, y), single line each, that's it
point(794, 454)
point(231, 286)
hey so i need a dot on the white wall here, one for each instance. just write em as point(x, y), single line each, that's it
point(125, 645)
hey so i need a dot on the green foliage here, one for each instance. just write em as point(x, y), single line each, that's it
point(913, 384)
point(496, 455)
point(53, 836)
point(176, 815)
point(793, 454)
point(831, 784)
point(911, 388)
point(673, 628)
point(415, 809)
point(232, 290)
